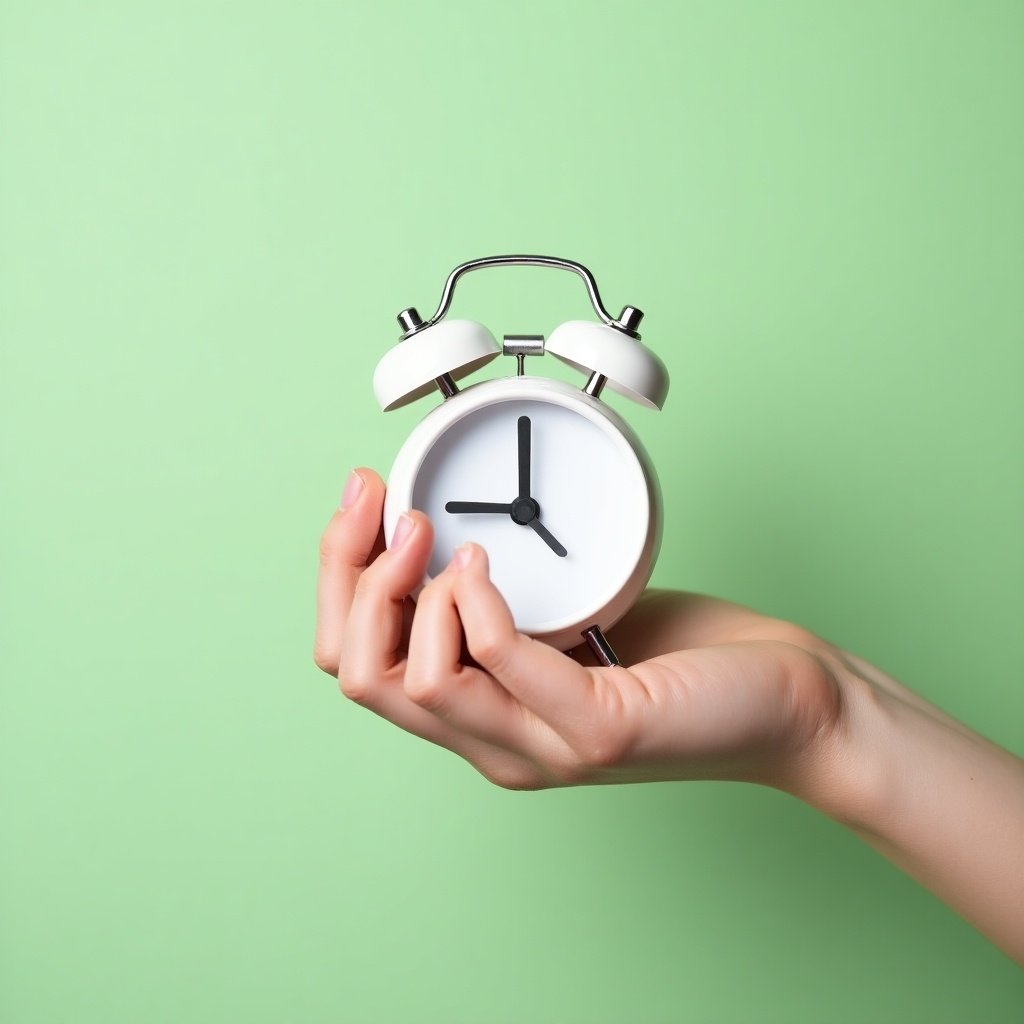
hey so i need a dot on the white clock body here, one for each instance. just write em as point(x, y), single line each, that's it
point(594, 485)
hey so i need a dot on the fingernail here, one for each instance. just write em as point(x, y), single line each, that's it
point(463, 553)
point(402, 530)
point(353, 488)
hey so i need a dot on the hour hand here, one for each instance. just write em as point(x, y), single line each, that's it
point(477, 506)
point(545, 535)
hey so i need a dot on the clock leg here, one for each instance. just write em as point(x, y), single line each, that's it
point(600, 646)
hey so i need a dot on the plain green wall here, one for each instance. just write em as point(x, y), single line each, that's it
point(209, 216)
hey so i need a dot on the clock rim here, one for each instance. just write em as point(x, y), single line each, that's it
point(567, 631)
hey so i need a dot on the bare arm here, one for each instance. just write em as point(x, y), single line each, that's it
point(941, 802)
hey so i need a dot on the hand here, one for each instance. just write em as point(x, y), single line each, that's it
point(714, 690)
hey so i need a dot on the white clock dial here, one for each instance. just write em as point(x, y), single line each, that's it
point(581, 545)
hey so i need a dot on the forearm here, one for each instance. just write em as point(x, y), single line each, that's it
point(941, 802)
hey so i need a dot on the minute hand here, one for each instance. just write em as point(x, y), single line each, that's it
point(524, 456)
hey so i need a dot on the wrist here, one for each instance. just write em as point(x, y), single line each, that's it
point(842, 770)
point(937, 799)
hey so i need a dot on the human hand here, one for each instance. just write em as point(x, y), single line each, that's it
point(713, 690)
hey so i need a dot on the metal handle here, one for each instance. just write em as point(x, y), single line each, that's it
point(628, 320)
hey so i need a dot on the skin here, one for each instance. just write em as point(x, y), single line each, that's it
point(712, 690)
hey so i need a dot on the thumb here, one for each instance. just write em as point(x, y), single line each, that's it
point(546, 681)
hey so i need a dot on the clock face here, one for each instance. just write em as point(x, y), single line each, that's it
point(554, 493)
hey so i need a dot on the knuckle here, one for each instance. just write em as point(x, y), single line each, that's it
point(588, 758)
point(428, 691)
point(512, 777)
point(325, 659)
point(490, 649)
point(355, 686)
point(601, 750)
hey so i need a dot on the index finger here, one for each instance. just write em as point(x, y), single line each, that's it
point(352, 540)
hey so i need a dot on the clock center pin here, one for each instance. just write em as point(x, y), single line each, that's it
point(524, 511)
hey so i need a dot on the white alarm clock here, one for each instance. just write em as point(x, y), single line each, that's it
point(548, 479)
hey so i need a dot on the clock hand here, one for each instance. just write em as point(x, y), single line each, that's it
point(545, 535)
point(477, 506)
point(524, 456)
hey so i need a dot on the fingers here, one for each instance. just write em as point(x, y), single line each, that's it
point(542, 679)
point(500, 766)
point(350, 541)
point(468, 699)
point(373, 629)
point(371, 663)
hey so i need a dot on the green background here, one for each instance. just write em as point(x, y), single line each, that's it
point(209, 216)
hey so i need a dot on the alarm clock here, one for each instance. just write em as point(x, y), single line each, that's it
point(550, 480)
